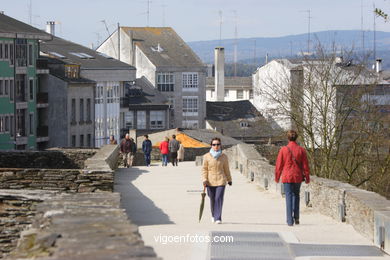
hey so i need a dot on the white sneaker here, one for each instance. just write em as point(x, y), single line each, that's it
point(212, 220)
point(218, 222)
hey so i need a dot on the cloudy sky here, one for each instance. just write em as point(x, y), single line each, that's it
point(195, 20)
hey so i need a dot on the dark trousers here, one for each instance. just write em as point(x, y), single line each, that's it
point(174, 158)
point(147, 159)
point(292, 201)
point(216, 200)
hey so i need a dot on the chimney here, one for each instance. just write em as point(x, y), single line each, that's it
point(50, 27)
point(219, 59)
point(378, 65)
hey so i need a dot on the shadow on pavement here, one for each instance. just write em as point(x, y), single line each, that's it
point(140, 209)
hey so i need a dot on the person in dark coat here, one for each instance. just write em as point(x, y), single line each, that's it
point(174, 146)
point(126, 148)
point(147, 149)
point(292, 166)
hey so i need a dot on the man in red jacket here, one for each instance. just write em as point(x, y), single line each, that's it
point(293, 167)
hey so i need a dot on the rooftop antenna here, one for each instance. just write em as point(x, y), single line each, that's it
point(220, 28)
point(308, 29)
point(109, 36)
point(235, 42)
point(30, 13)
point(361, 25)
point(374, 34)
point(148, 13)
point(163, 13)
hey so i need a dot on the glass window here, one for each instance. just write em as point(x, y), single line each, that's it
point(190, 81)
point(32, 124)
point(11, 90)
point(157, 119)
point(6, 124)
point(6, 87)
point(190, 106)
point(89, 140)
point(73, 141)
point(165, 81)
point(81, 140)
point(31, 84)
point(141, 119)
point(30, 55)
point(129, 120)
point(12, 129)
point(240, 94)
point(250, 94)
point(1, 86)
point(81, 110)
point(73, 112)
point(88, 109)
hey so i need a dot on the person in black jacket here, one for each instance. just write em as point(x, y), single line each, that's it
point(147, 149)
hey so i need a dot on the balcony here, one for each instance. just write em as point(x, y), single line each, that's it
point(21, 98)
point(43, 131)
point(124, 102)
point(42, 66)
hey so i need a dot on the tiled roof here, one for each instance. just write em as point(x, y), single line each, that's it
point(231, 82)
point(163, 46)
point(143, 93)
point(12, 28)
point(74, 53)
point(238, 119)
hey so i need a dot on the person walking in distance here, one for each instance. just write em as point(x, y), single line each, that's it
point(147, 149)
point(292, 166)
point(173, 148)
point(126, 150)
point(215, 176)
point(164, 150)
point(112, 140)
point(180, 153)
point(133, 151)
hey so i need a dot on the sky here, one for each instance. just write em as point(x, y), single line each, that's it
point(80, 21)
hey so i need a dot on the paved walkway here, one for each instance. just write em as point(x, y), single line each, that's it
point(164, 203)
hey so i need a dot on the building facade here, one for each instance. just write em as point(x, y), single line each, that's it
point(235, 89)
point(19, 50)
point(110, 76)
point(169, 64)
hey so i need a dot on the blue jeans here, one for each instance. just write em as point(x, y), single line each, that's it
point(147, 159)
point(216, 200)
point(292, 201)
point(164, 159)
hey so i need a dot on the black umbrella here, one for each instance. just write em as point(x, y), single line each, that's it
point(203, 194)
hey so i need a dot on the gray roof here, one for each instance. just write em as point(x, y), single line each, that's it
point(232, 82)
point(227, 117)
point(174, 51)
point(205, 135)
point(69, 51)
point(12, 28)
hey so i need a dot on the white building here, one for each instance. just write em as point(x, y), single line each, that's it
point(169, 64)
point(235, 89)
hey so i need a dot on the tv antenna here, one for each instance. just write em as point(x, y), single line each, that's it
point(220, 28)
point(308, 29)
point(235, 42)
point(109, 36)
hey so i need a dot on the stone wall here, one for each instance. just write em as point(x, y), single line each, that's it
point(51, 159)
point(367, 212)
point(98, 175)
point(76, 226)
point(17, 210)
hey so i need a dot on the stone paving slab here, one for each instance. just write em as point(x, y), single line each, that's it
point(164, 202)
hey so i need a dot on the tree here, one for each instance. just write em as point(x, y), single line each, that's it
point(325, 98)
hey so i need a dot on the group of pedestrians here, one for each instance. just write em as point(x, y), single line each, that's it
point(173, 148)
point(292, 168)
point(128, 150)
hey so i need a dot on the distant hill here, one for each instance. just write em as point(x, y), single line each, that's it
point(293, 45)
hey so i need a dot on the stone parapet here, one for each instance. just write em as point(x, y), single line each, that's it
point(80, 226)
point(367, 212)
point(105, 159)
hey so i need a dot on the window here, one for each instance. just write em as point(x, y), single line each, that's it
point(81, 140)
point(6, 51)
point(141, 119)
point(190, 81)
point(72, 71)
point(250, 94)
point(30, 55)
point(157, 119)
point(240, 94)
point(12, 129)
point(129, 120)
point(81, 110)
point(88, 110)
point(11, 90)
point(1, 86)
point(73, 141)
point(1, 50)
point(165, 82)
point(190, 106)
point(6, 124)
point(73, 111)
point(190, 124)
point(11, 54)
point(1, 124)
point(31, 84)
point(89, 141)
point(99, 95)
point(32, 123)
point(6, 87)
point(226, 93)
